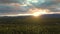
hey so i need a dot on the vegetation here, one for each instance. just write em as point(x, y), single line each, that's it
point(29, 25)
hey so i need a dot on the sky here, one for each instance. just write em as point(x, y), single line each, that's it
point(14, 7)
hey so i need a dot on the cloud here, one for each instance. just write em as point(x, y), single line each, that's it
point(13, 9)
point(11, 1)
point(23, 6)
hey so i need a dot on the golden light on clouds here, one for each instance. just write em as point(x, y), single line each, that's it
point(38, 12)
point(34, 12)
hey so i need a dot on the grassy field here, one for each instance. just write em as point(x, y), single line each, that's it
point(29, 25)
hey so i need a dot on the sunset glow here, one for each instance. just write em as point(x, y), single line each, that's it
point(38, 12)
point(34, 12)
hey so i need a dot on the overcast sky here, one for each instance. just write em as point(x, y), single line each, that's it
point(22, 6)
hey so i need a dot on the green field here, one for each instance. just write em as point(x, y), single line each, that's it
point(30, 25)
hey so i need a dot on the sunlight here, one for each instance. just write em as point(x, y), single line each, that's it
point(40, 12)
point(36, 14)
point(24, 14)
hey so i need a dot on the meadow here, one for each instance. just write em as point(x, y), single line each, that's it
point(29, 25)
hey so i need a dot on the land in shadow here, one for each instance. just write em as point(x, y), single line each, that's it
point(29, 25)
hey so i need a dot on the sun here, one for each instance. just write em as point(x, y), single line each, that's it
point(36, 14)
point(40, 12)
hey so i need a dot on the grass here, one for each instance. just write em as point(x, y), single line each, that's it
point(30, 26)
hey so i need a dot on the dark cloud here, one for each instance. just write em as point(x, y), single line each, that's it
point(6, 8)
point(13, 9)
point(12, 1)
